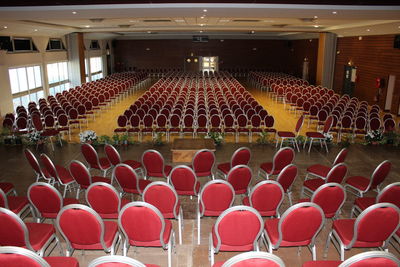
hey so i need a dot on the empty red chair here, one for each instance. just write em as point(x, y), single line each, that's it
point(82, 176)
point(40, 174)
point(290, 136)
point(298, 226)
point(184, 181)
point(164, 197)
point(91, 157)
point(253, 258)
point(236, 229)
point(240, 157)
point(115, 159)
point(122, 122)
point(319, 136)
point(82, 228)
point(46, 201)
point(215, 197)
point(143, 225)
point(240, 177)
point(118, 261)
point(154, 164)
point(8, 188)
point(11, 256)
point(372, 228)
point(359, 185)
point(321, 171)
point(128, 180)
point(282, 158)
point(17, 204)
point(266, 197)
point(33, 236)
point(105, 200)
point(286, 179)
point(203, 163)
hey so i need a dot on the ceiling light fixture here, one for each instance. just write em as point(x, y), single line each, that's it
point(200, 31)
point(315, 17)
point(202, 17)
point(224, 20)
point(74, 12)
point(179, 20)
point(204, 10)
point(368, 30)
point(148, 31)
point(252, 32)
point(87, 26)
point(316, 26)
point(5, 27)
point(334, 12)
point(201, 25)
point(35, 30)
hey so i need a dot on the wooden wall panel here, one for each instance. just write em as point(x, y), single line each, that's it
point(374, 56)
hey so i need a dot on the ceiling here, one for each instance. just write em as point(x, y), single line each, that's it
point(183, 20)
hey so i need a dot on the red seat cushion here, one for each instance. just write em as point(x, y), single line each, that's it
point(224, 167)
point(143, 183)
point(319, 170)
point(62, 261)
point(364, 202)
point(359, 182)
point(267, 167)
point(345, 230)
point(6, 187)
point(313, 184)
point(227, 247)
point(167, 170)
point(321, 264)
point(246, 201)
point(286, 134)
point(64, 175)
point(190, 192)
point(39, 233)
point(271, 227)
point(315, 135)
point(133, 163)
point(16, 204)
point(104, 163)
point(110, 230)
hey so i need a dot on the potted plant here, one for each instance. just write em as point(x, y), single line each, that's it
point(35, 138)
point(263, 138)
point(88, 137)
point(158, 139)
point(115, 139)
point(6, 136)
point(373, 137)
point(217, 137)
point(124, 139)
point(104, 139)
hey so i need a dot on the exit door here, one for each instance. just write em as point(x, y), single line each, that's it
point(349, 80)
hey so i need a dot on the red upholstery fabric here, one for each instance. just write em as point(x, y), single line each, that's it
point(330, 199)
point(286, 134)
point(319, 170)
point(375, 262)
point(267, 167)
point(224, 167)
point(240, 179)
point(184, 181)
point(17, 203)
point(364, 202)
point(16, 260)
point(133, 163)
point(315, 135)
point(344, 228)
point(96, 179)
point(104, 163)
point(39, 233)
point(153, 163)
point(359, 182)
point(313, 184)
point(62, 261)
point(110, 231)
point(265, 199)
point(52, 211)
point(203, 163)
point(11, 234)
point(104, 201)
point(163, 198)
point(216, 199)
point(6, 187)
point(64, 175)
point(322, 264)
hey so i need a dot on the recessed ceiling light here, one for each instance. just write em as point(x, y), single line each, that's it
point(316, 26)
point(148, 31)
point(204, 10)
point(202, 17)
point(398, 27)
point(87, 26)
point(35, 30)
point(315, 17)
point(334, 12)
point(179, 20)
point(133, 21)
point(360, 38)
point(224, 20)
point(74, 12)
point(200, 31)
point(269, 20)
point(201, 25)
point(5, 27)
point(252, 32)
point(148, 49)
point(368, 30)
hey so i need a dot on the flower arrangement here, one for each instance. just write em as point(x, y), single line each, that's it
point(157, 138)
point(328, 137)
point(263, 139)
point(373, 137)
point(35, 137)
point(88, 136)
point(217, 137)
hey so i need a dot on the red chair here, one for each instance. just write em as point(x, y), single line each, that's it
point(188, 125)
point(236, 229)
point(115, 159)
point(33, 236)
point(40, 173)
point(252, 258)
point(242, 126)
point(118, 261)
point(128, 180)
point(319, 136)
point(164, 197)
point(290, 136)
point(105, 200)
point(240, 177)
point(154, 164)
point(282, 158)
point(330, 198)
point(134, 121)
point(60, 174)
point(17, 204)
point(373, 228)
point(143, 225)
point(46, 201)
point(202, 124)
point(321, 171)
point(215, 197)
point(365, 259)
point(335, 175)
point(82, 176)
point(82, 228)
point(148, 123)
point(91, 157)
point(184, 181)
point(298, 226)
point(390, 194)
point(122, 122)
point(359, 185)
point(286, 179)
point(203, 163)
point(266, 197)
point(161, 125)
point(240, 157)
point(16, 257)
point(8, 188)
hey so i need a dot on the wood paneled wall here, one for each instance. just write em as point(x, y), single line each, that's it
point(374, 56)
point(276, 55)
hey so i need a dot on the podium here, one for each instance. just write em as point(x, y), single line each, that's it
point(183, 149)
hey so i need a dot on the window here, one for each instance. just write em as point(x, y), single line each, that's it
point(96, 68)
point(57, 74)
point(26, 85)
point(94, 45)
point(23, 44)
point(55, 44)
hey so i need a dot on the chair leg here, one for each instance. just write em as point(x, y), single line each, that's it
point(77, 193)
point(198, 228)
point(180, 226)
point(327, 244)
point(290, 198)
point(309, 149)
point(170, 250)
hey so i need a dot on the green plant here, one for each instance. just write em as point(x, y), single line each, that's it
point(217, 137)
point(345, 141)
point(390, 138)
point(104, 139)
point(124, 139)
point(158, 139)
point(263, 139)
point(301, 139)
point(375, 136)
point(115, 139)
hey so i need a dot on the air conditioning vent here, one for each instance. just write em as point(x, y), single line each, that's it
point(124, 26)
point(156, 20)
point(279, 25)
point(246, 20)
point(307, 19)
point(200, 39)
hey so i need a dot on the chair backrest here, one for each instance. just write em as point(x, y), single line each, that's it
point(215, 197)
point(49, 165)
point(13, 231)
point(45, 198)
point(238, 226)
point(301, 223)
point(282, 158)
point(203, 162)
point(80, 225)
point(336, 174)
point(266, 197)
point(328, 125)
point(153, 163)
point(330, 197)
point(80, 173)
point(104, 199)
point(240, 177)
point(90, 155)
point(33, 162)
point(379, 174)
point(241, 157)
point(112, 154)
point(287, 176)
point(341, 156)
point(11, 256)
point(390, 194)
point(162, 196)
point(141, 222)
point(183, 178)
point(115, 261)
point(299, 124)
point(372, 258)
point(126, 177)
point(376, 223)
point(254, 258)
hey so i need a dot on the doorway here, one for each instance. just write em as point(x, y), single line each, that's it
point(209, 64)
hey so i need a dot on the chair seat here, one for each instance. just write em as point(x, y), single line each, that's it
point(120, 130)
point(229, 130)
point(110, 231)
point(188, 130)
point(189, 192)
point(242, 130)
point(246, 202)
point(227, 247)
point(267, 167)
point(271, 229)
point(359, 182)
point(133, 130)
point(17, 203)
point(39, 234)
point(224, 167)
point(201, 130)
point(104, 163)
point(6, 187)
point(315, 135)
point(133, 163)
point(319, 170)
point(66, 201)
point(321, 264)
point(313, 184)
point(155, 243)
point(286, 134)
point(62, 261)
point(270, 130)
point(364, 202)
point(142, 185)
point(345, 230)
point(64, 175)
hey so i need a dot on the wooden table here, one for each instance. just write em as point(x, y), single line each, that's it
point(183, 149)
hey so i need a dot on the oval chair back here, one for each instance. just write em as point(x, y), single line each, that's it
point(184, 180)
point(241, 157)
point(337, 173)
point(254, 258)
point(203, 163)
point(240, 177)
point(266, 197)
point(104, 199)
point(330, 197)
point(16, 256)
